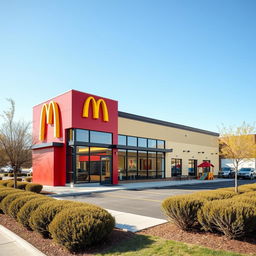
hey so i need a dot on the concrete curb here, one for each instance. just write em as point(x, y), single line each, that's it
point(153, 186)
point(21, 241)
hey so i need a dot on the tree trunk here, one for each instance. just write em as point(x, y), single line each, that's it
point(236, 186)
point(15, 176)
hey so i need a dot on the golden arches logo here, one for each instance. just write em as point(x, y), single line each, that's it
point(96, 104)
point(50, 115)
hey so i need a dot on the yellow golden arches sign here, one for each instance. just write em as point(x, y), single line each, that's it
point(49, 115)
point(96, 104)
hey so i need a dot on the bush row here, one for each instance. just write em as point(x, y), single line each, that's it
point(33, 187)
point(221, 210)
point(72, 224)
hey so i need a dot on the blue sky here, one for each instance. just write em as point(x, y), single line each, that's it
point(187, 62)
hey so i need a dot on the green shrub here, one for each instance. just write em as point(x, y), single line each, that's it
point(28, 179)
point(10, 174)
point(233, 218)
point(26, 211)
point(4, 182)
point(17, 203)
point(5, 203)
point(79, 228)
point(37, 188)
point(182, 210)
point(215, 195)
point(44, 214)
point(5, 174)
point(8, 191)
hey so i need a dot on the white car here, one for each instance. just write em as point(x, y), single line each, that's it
point(7, 169)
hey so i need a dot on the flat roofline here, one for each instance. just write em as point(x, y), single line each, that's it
point(164, 123)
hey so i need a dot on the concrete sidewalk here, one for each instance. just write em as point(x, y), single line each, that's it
point(133, 222)
point(89, 188)
point(13, 245)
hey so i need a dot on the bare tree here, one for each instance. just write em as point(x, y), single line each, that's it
point(15, 141)
point(238, 144)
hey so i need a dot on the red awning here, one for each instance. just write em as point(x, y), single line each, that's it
point(205, 164)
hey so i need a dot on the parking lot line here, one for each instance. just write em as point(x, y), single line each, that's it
point(128, 197)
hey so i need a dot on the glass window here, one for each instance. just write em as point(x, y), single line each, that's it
point(82, 135)
point(151, 165)
point(160, 144)
point(82, 164)
point(122, 164)
point(176, 166)
point(192, 167)
point(151, 143)
point(132, 164)
point(143, 165)
point(100, 137)
point(132, 141)
point(122, 140)
point(142, 142)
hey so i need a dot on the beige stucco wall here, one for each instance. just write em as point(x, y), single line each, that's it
point(177, 139)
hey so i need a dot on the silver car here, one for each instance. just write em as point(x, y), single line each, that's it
point(246, 173)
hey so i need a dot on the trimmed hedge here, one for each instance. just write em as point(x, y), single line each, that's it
point(5, 203)
point(44, 214)
point(4, 182)
point(80, 228)
point(17, 204)
point(28, 208)
point(215, 195)
point(33, 187)
point(182, 210)
point(10, 175)
point(233, 218)
point(20, 185)
point(8, 191)
point(28, 179)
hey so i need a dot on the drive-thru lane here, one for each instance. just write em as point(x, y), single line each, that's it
point(146, 202)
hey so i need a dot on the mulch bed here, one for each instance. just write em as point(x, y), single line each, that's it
point(50, 248)
point(167, 231)
point(210, 240)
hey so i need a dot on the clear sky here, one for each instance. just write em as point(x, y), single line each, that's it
point(191, 62)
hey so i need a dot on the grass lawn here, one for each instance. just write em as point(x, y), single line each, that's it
point(141, 245)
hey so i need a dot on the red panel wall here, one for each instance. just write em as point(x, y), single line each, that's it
point(49, 164)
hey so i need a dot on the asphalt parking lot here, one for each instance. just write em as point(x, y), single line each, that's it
point(146, 202)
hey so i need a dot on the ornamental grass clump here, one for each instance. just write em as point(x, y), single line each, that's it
point(79, 228)
point(44, 214)
point(29, 207)
point(232, 218)
point(182, 210)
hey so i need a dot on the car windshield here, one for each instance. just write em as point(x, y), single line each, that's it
point(226, 169)
point(245, 169)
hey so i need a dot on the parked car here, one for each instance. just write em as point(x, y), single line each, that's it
point(7, 169)
point(226, 172)
point(246, 173)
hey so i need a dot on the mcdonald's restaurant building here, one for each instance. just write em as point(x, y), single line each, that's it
point(83, 138)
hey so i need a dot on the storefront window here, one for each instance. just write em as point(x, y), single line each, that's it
point(192, 167)
point(132, 164)
point(160, 165)
point(176, 166)
point(151, 143)
point(143, 164)
point(100, 137)
point(82, 135)
point(151, 165)
point(122, 164)
point(132, 141)
point(142, 142)
point(160, 144)
point(122, 140)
